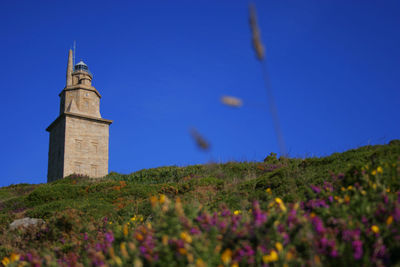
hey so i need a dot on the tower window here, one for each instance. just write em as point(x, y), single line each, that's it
point(95, 147)
point(78, 167)
point(78, 144)
point(93, 170)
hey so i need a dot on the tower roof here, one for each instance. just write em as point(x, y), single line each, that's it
point(81, 66)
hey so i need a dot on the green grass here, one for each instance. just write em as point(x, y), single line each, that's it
point(236, 184)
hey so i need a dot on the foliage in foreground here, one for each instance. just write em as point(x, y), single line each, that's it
point(353, 220)
point(337, 210)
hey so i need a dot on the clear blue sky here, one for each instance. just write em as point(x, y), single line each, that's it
point(162, 66)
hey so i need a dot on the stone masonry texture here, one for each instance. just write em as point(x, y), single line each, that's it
point(79, 136)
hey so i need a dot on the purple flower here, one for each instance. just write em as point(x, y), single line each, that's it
point(318, 225)
point(357, 249)
point(109, 237)
point(396, 213)
point(259, 216)
point(195, 231)
point(316, 189)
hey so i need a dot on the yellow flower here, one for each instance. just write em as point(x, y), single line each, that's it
point(185, 236)
point(388, 190)
point(124, 252)
point(280, 203)
point(164, 240)
point(182, 251)
point(226, 256)
point(200, 263)
point(379, 169)
point(110, 223)
point(268, 190)
point(389, 220)
point(373, 172)
point(237, 212)
point(273, 256)
point(346, 199)
point(14, 257)
point(350, 187)
point(153, 201)
point(5, 261)
point(235, 264)
point(374, 186)
point(126, 230)
point(279, 246)
point(289, 256)
point(133, 218)
point(137, 263)
point(363, 192)
point(118, 261)
point(375, 229)
point(162, 198)
point(190, 257)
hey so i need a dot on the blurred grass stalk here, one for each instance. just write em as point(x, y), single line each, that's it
point(260, 54)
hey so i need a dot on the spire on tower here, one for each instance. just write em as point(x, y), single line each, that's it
point(69, 68)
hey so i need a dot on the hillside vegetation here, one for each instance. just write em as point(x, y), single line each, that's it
point(337, 210)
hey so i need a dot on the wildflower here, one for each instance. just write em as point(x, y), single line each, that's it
point(316, 189)
point(133, 218)
point(280, 203)
point(375, 229)
point(235, 264)
point(226, 256)
point(126, 230)
point(200, 263)
point(389, 220)
point(139, 236)
point(185, 236)
point(137, 263)
point(373, 172)
point(387, 190)
point(237, 212)
point(350, 187)
point(363, 192)
point(279, 246)
point(379, 169)
point(289, 256)
point(124, 252)
point(153, 201)
point(162, 198)
point(164, 240)
point(5, 261)
point(182, 251)
point(273, 256)
point(110, 223)
point(346, 199)
point(231, 101)
point(190, 257)
point(268, 190)
point(14, 257)
point(118, 261)
point(357, 248)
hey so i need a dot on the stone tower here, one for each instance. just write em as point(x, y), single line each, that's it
point(79, 136)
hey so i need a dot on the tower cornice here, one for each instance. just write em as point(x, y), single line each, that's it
point(80, 116)
point(81, 87)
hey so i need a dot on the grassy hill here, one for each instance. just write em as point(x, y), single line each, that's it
point(336, 199)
